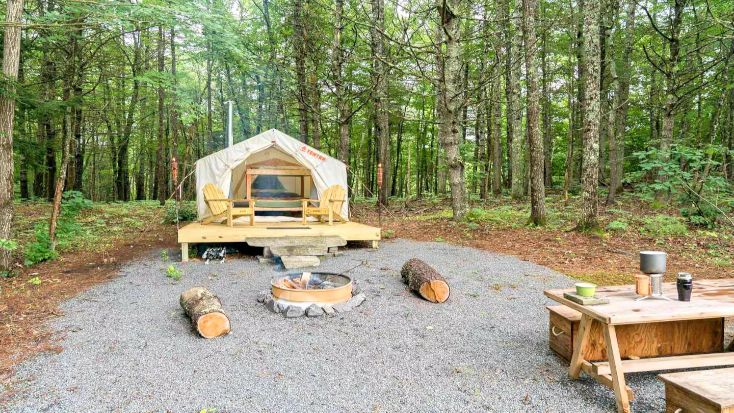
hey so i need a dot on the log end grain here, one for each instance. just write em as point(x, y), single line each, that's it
point(205, 311)
point(213, 325)
point(426, 281)
point(436, 291)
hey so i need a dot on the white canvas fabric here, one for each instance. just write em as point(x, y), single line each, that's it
point(218, 167)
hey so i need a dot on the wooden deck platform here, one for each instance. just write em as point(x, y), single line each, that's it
point(197, 233)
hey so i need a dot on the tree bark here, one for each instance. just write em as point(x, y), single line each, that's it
point(380, 96)
point(340, 90)
point(160, 173)
point(547, 125)
point(497, 133)
point(299, 49)
point(514, 111)
point(535, 143)
point(11, 63)
point(671, 89)
point(425, 280)
point(204, 309)
point(590, 172)
point(450, 102)
point(616, 150)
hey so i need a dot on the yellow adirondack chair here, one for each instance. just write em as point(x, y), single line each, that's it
point(330, 204)
point(221, 206)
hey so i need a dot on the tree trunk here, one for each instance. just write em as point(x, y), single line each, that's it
point(315, 113)
point(514, 111)
point(340, 89)
point(160, 173)
point(547, 125)
point(173, 102)
point(535, 143)
point(205, 311)
point(616, 152)
point(78, 140)
point(425, 280)
point(497, 134)
point(123, 179)
point(590, 173)
point(299, 47)
point(11, 63)
point(380, 95)
point(450, 102)
point(671, 89)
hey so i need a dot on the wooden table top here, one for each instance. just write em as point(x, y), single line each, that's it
point(710, 299)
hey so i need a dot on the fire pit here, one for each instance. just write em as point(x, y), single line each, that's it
point(320, 288)
point(312, 294)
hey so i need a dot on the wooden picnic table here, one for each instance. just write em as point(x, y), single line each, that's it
point(710, 299)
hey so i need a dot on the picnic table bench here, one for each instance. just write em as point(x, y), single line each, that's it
point(706, 391)
point(710, 299)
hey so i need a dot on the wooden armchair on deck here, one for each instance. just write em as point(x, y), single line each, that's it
point(330, 204)
point(221, 206)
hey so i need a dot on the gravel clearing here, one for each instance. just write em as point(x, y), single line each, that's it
point(128, 346)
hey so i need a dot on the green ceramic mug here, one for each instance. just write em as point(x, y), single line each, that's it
point(585, 289)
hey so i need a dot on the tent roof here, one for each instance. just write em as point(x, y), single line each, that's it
point(274, 135)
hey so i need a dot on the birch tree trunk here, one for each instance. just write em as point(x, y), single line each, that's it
point(11, 63)
point(450, 103)
point(592, 68)
point(535, 143)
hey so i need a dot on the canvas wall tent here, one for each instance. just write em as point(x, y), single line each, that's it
point(271, 149)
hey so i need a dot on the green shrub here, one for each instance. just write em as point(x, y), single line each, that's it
point(172, 272)
point(617, 225)
point(388, 233)
point(67, 230)
point(472, 226)
point(186, 212)
point(665, 226)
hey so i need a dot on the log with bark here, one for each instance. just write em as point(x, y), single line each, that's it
point(425, 280)
point(205, 311)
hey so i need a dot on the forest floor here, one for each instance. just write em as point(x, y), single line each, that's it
point(111, 235)
point(116, 233)
point(607, 257)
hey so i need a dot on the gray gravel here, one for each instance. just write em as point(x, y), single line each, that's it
point(128, 346)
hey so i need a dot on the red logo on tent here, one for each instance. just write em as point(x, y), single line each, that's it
point(313, 153)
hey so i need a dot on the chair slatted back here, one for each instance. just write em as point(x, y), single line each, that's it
point(336, 194)
point(211, 192)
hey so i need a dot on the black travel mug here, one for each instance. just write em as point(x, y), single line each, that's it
point(685, 286)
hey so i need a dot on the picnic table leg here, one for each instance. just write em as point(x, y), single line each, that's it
point(578, 349)
point(615, 365)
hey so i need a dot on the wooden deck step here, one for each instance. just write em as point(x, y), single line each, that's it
point(299, 250)
point(668, 363)
point(325, 241)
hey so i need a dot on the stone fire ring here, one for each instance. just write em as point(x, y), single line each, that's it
point(313, 302)
point(304, 298)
